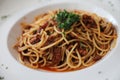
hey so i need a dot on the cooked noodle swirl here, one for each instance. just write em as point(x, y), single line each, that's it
point(44, 45)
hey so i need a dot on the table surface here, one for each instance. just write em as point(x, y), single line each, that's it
point(10, 7)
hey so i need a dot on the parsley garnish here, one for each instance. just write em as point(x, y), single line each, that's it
point(66, 19)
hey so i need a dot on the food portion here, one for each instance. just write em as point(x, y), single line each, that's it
point(65, 40)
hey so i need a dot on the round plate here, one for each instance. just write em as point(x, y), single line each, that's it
point(103, 70)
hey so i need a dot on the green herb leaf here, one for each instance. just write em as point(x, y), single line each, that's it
point(66, 19)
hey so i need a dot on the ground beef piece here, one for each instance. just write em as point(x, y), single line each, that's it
point(89, 21)
point(42, 27)
point(97, 57)
point(35, 39)
point(57, 56)
point(82, 52)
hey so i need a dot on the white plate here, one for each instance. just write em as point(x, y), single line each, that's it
point(107, 68)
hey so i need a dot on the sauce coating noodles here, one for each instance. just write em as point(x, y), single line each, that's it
point(43, 45)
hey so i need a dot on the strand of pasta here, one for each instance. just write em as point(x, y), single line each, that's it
point(46, 47)
point(99, 47)
point(68, 56)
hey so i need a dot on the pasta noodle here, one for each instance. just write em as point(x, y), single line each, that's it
point(43, 45)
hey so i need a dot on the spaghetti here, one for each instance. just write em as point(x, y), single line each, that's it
point(45, 45)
